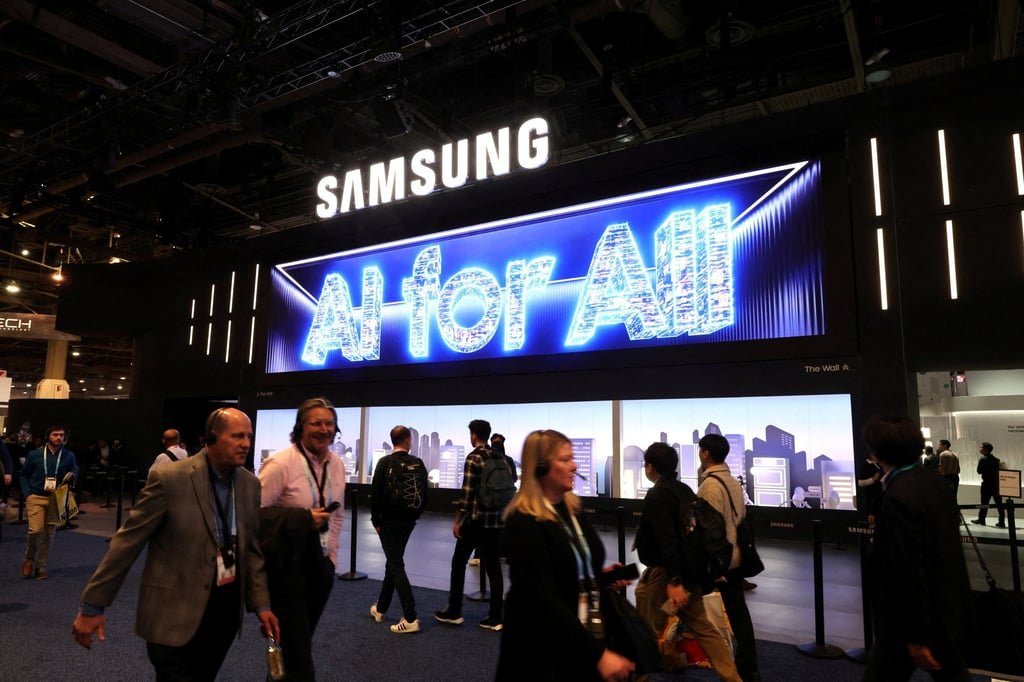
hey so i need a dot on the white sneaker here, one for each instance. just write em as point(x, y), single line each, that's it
point(377, 615)
point(403, 626)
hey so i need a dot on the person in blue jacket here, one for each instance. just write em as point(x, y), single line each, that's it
point(45, 468)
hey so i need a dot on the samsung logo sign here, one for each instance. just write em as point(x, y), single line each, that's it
point(493, 154)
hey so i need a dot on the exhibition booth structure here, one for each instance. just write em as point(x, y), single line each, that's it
point(776, 282)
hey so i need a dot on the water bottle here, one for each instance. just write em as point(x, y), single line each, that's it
point(275, 659)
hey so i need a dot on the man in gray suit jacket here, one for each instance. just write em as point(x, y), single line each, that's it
point(199, 518)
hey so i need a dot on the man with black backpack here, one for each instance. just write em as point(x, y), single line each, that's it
point(399, 493)
point(487, 488)
point(671, 545)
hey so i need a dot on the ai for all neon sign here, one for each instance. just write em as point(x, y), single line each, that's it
point(494, 154)
point(733, 258)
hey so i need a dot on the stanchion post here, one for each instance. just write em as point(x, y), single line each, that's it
point(482, 595)
point(120, 499)
point(860, 654)
point(819, 648)
point(21, 507)
point(1014, 558)
point(620, 520)
point(353, 574)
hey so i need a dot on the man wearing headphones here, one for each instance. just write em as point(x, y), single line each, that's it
point(44, 469)
point(199, 518)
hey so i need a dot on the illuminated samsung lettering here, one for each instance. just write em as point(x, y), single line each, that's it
point(394, 180)
point(731, 259)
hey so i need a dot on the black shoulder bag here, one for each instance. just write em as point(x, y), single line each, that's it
point(750, 560)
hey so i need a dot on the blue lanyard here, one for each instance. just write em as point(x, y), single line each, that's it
point(583, 560)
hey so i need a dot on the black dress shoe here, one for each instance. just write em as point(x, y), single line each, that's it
point(1000, 525)
point(976, 522)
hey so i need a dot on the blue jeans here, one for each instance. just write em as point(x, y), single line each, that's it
point(393, 539)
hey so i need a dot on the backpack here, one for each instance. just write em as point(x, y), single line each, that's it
point(709, 526)
point(702, 528)
point(407, 483)
point(497, 486)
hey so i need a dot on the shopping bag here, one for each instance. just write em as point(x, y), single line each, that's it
point(63, 506)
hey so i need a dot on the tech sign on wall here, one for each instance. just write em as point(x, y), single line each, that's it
point(724, 259)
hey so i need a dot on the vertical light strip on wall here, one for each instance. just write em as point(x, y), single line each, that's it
point(951, 256)
point(252, 322)
point(192, 322)
point(227, 344)
point(255, 285)
point(874, 176)
point(231, 294)
point(252, 334)
point(943, 168)
point(1022, 239)
point(209, 336)
point(883, 286)
point(213, 288)
point(1018, 164)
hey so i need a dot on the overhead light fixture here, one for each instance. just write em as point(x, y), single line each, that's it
point(75, 353)
point(119, 387)
point(12, 287)
point(876, 73)
point(81, 381)
point(25, 252)
point(122, 378)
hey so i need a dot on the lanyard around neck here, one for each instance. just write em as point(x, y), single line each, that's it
point(46, 451)
point(227, 516)
point(583, 560)
point(316, 492)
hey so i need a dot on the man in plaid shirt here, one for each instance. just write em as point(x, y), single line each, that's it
point(475, 528)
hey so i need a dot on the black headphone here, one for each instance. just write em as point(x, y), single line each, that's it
point(542, 469)
point(210, 438)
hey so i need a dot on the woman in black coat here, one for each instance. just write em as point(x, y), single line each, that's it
point(553, 555)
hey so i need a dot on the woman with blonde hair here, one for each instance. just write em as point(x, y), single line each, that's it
point(554, 556)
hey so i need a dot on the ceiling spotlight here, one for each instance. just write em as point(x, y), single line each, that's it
point(119, 387)
point(387, 56)
point(75, 353)
point(12, 287)
point(25, 252)
point(58, 276)
point(81, 381)
point(122, 378)
point(28, 385)
point(103, 388)
point(333, 74)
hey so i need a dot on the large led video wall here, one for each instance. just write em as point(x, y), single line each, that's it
point(734, 258)
point(790, 451)
point(793, 451)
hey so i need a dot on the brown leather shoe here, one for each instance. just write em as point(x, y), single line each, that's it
point(26, 569)
point(41, 574)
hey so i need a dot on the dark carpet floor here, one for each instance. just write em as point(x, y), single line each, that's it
point(36, 642)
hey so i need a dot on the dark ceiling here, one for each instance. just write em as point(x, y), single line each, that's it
point(137, 129)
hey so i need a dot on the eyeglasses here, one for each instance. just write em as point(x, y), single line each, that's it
point(319, 423)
